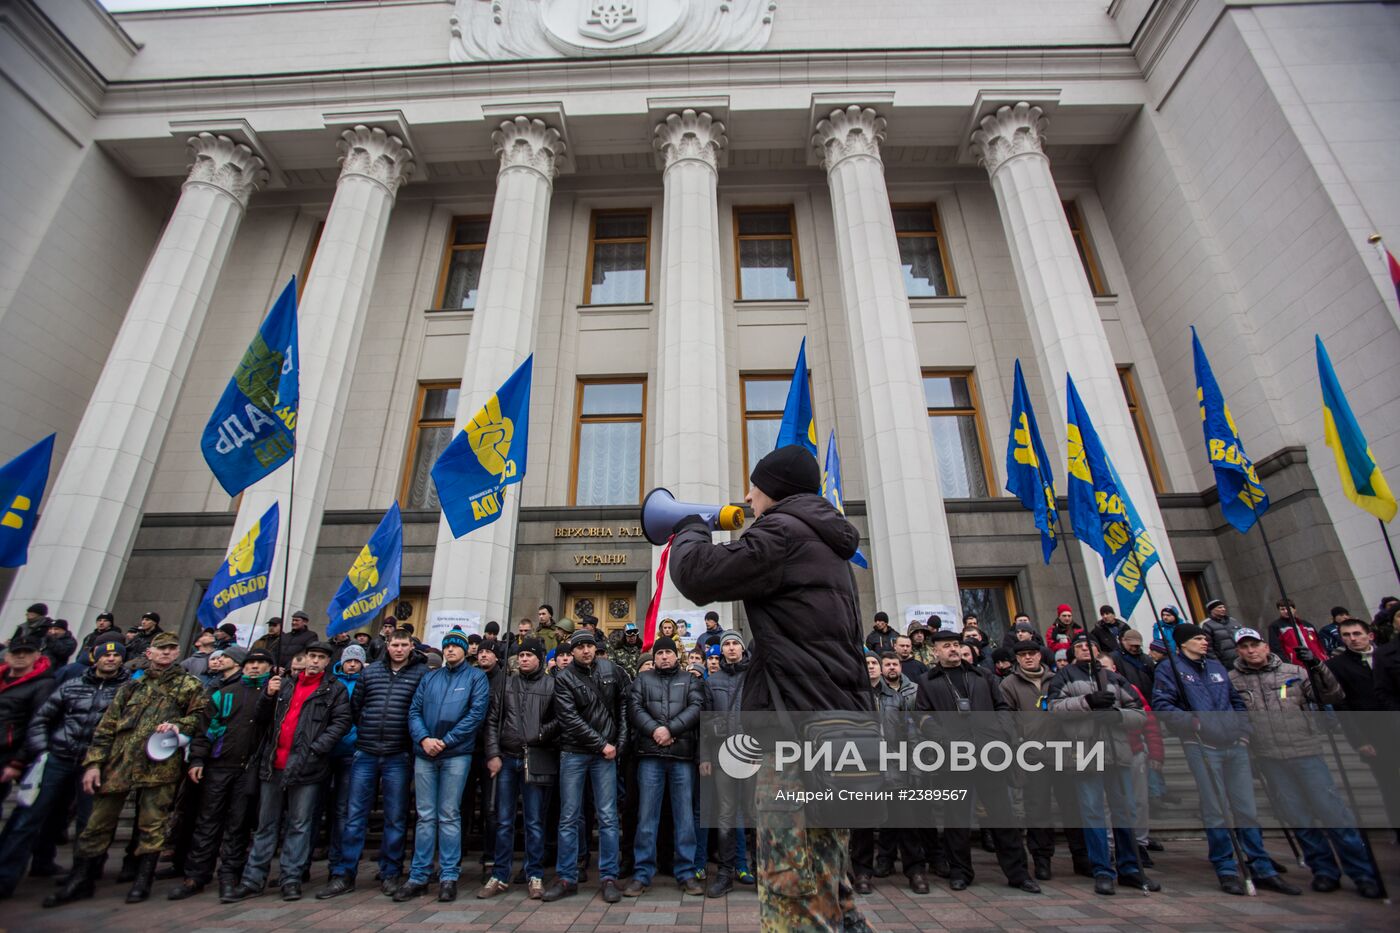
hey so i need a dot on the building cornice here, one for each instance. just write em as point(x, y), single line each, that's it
point(351, 87)
point(28, 26)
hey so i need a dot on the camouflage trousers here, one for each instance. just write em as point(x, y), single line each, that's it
point(803, 872)
point(153, 809)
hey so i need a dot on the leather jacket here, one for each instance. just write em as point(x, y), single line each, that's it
point(591, 706)
point(521, 714)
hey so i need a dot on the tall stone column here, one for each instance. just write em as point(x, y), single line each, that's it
point(1064, 322)
point(331, 318)
point(473, 573)
point(913, 556)
point(692, 458)
point(91, 514)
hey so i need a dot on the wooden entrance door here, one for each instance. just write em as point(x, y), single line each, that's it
point(614, 606)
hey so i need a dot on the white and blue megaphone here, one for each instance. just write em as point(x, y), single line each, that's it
point(661, 511)
point(162, 745)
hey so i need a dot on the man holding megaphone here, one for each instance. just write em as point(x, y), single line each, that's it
point(790, 570)
point(167, 700)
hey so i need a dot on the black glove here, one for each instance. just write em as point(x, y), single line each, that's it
point(689, 520)
point(1101, 700)
point(1305, 656)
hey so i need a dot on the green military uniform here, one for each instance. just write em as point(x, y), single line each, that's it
point(924, 654)
point(802, 870)
point(551, 636)
point(118, 749)
point(628, 657)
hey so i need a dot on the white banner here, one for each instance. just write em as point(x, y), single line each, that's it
point(951, 619)
point(445, 620)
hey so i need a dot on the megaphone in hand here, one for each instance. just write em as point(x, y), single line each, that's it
point(162, 745)
point(661, 511)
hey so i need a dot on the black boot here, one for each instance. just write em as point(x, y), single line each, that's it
point(82, 882)
point(145, 876)
point(127, 873)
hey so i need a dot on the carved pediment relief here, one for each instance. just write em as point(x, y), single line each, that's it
point(504, 30)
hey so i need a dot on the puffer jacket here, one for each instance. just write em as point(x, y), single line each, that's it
point(449, 705)
point(521, 715)
point(725, 688)
point(380, 704)
point(240, 711)
point(325, 717)
point(1222, 639)
point(672, 699)
point(591, 706)
point(790, 570)
point(20, 699)
point(64, 723)
point(1196, 702)
point(1068, 696)
point(1276, 696)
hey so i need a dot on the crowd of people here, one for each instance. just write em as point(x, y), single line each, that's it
point(235, 757)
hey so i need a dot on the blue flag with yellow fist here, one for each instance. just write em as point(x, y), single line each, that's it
point(22, 484)
point(799, 425)
point(487, 455)
point(253, 429)
point(243, 576)
point(373, 579)
point(1028, 475)
point(831, 490)
point(1242, 495)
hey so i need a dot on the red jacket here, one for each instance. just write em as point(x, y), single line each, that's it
point(305, 686)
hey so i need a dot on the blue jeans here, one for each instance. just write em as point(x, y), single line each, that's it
point(24, 833)
point(574, 769)
point(369, 774)
point(654, 775)
point(437, 785)
point(1303, 787)
point(1115, 784)
point(338, 807)
point(1213, 768)
point(300, 803)
point(510, 784)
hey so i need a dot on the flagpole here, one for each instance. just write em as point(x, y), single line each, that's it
point(1385, 536)
point(1069, 563)
point(1278, 577)
point(287, 556)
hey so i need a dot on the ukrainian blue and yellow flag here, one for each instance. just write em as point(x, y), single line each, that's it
point(22, 484)
point(242, 578)
point(1095, 502)
point(486, 456)
point(252, 431)
point(1242, 495)
point(831, 489)
point(1361, 478)
point(799, 426)
point(373, 579)
point(1028, 475)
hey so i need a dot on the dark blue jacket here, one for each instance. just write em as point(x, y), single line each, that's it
point(346, 746)
point(380, 704)
point(449, 705)
point(1210, 710)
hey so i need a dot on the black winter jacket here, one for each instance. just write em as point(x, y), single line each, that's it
point(64, 724)
point(380, 704)
point(59, 648)
point(521, 714)
point(20, 699)
point(293, 643)
point(591, 706)
point(140, 641)
point(239, 714)
point(939, 691)
point(93, 637)
point(672, 699)
point(325, 718)
point(790, 570)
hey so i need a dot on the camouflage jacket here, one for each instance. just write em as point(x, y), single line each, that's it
point(625, 657)
point(119, 743)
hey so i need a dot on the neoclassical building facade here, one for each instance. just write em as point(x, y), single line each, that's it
point(660, 199)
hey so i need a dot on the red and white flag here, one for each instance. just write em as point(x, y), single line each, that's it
point(1390, 264)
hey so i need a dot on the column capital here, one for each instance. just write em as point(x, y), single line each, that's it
point(225, 165)
point(854, 131)
point(529, 143)
point(369, 152)
point(1011, 131)
point(690, 136)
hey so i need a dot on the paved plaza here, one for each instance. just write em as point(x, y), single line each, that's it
point(1190, 902)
